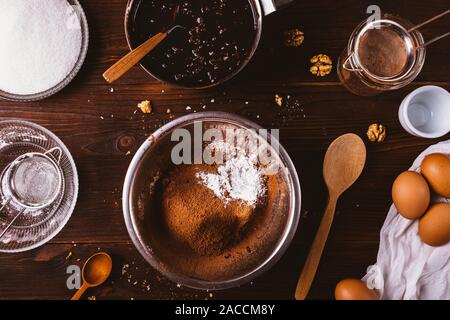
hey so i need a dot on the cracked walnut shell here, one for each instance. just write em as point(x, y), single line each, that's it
point(376, 132)
point(293, 38)
point(322, 65)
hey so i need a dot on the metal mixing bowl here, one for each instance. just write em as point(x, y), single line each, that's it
point(151, 159)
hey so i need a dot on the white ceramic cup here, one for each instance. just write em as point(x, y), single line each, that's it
point(425, 112)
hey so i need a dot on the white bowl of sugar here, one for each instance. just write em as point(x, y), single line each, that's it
point(44, 45)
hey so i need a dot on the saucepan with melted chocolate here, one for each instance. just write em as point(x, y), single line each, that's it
point(217, 39)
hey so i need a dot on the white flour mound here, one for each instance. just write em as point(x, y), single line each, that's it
point(238, 178)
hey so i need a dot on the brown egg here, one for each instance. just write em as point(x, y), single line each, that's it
point(411, 194)
point(434, 227)
point(436, 169)
point(354, 289)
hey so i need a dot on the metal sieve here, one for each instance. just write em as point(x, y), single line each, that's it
point(32, 182)
point(384, 54)
point(405, 34)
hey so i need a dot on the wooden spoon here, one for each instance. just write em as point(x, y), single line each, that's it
point(343, 164)
point(95, 271)
point(131, 59)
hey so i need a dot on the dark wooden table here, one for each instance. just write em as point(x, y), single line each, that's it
point(96, 123)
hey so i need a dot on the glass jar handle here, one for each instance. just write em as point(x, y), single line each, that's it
point(347, 68)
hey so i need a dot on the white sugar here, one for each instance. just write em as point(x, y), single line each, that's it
point(40, 42)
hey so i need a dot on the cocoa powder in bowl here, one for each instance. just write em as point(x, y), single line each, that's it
point(191, 239)
point(193, 214)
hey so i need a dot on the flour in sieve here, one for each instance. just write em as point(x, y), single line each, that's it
point(36, 181)
point(40, 44)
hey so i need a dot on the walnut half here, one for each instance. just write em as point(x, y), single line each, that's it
point(322, 65)
point(293, 38)
point(376, 132)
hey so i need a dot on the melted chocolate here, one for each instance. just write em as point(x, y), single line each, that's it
point(218, 39)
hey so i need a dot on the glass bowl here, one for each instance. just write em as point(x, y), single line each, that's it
point(33, 229)
point(275, 233)
point(83, 52)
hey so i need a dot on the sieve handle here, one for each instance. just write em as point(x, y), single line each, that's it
point(12, 221)
point(346, 62)
point(55, 149)
point(435, 39)
point(420, 25)
point(5, 204)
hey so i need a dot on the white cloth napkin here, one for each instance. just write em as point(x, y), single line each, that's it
point(407, 268)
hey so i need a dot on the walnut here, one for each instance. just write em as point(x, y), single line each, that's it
point(145, 106)
point(376, 132)
point(278, 100)
point(322, 65)
point(293, 38)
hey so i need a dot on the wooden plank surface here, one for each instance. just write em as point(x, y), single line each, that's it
point(94, 123)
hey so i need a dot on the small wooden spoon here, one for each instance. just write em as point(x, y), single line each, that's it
point(95, 271)
point(343, 164)
point(131, 59)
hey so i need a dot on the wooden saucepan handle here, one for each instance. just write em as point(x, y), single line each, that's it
point(315, 253)
point(131, 59)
